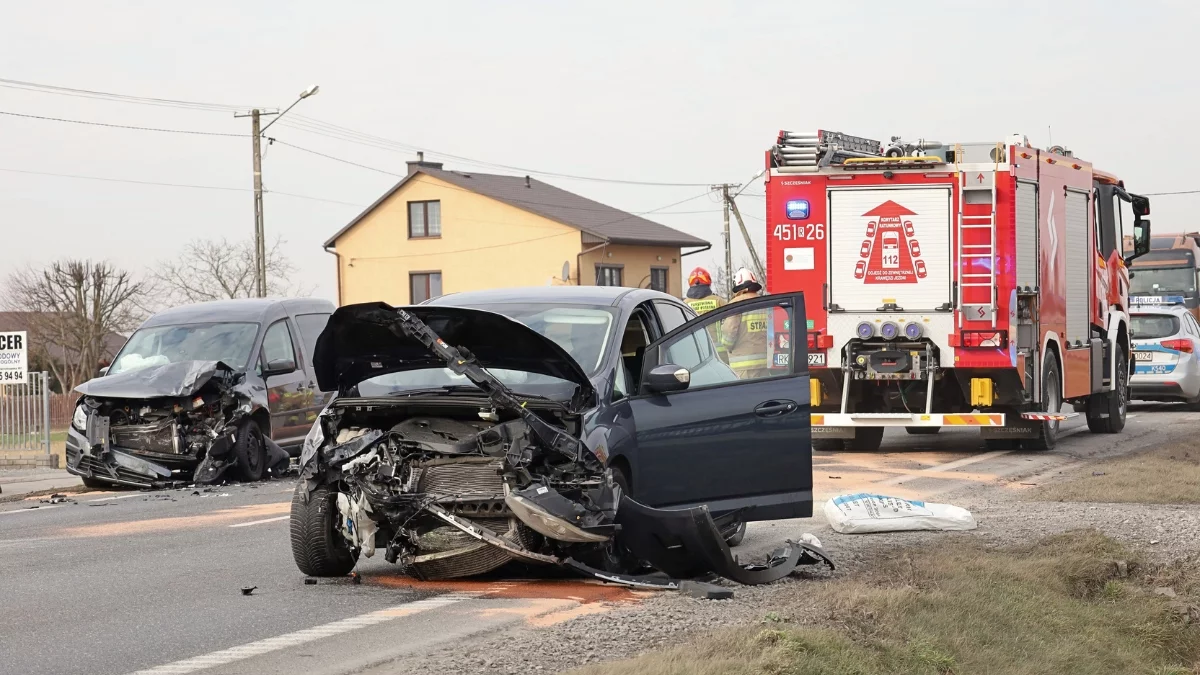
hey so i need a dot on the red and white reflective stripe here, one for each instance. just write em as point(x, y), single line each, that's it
point(973, 420)
point(1046, 417)
point(905, 420)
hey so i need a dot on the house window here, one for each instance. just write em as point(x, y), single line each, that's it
point(423, 286)
point(424, 219)
point(608, 275)
point(658, 279)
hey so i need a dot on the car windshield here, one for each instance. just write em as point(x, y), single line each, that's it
point(582, 331)
point(1154, 326)
point(1160, 280)
point(227, 342)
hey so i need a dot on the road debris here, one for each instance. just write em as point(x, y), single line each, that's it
point(705, 591)
point(861, 513)
point(248, 590)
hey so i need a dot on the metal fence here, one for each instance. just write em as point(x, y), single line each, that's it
point(25, 414)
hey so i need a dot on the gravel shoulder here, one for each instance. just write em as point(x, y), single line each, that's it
point(1006, 515)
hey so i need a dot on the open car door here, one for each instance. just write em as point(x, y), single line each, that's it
point(722, 413)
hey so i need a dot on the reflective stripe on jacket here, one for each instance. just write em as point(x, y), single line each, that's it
point(746, 336)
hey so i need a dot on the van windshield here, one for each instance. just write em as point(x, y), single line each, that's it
point(157, 346)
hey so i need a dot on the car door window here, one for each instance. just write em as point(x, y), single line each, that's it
point(670, 315)
point(310, 327)
point(634, 340)
point(734, 344)
point(277, 344)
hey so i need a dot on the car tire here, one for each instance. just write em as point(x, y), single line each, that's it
point(738, 535)
point(1112, 404)
point(1047, 436)
point(96, 483)
point(922, 431)
point(866, 439)
point(828, 444)
point(250, 452)
point(319, 549)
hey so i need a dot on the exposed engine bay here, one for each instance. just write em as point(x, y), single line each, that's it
point(170, 425)
point(454, 485)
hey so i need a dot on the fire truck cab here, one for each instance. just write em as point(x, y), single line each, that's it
point(1013, 303)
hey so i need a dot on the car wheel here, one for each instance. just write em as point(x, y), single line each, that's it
point(319, 549)
point(738, 535)
point(96, 483)
point(1106, 412)
point(1047, 436)
point(250, 452)
point(922, 431)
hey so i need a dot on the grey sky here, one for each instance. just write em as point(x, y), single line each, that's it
point(690, 92)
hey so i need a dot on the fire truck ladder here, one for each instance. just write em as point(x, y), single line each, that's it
point(967, 252)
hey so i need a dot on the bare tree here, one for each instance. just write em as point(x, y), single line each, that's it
point(217, 269)
point(72, 308)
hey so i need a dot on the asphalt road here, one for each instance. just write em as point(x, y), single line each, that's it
point(121, 582)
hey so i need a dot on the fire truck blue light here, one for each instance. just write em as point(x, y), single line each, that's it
point(797, 209)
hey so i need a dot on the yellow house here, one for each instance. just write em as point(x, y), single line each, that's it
point(441, 231)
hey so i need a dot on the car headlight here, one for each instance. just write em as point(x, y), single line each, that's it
point(79, 419)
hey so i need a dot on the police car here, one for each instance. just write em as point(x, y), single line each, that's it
point(1166, 342)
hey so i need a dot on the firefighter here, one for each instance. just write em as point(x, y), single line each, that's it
point(701, 299)
point(745, 336)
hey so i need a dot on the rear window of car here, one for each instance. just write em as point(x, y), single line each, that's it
point(1153, 326)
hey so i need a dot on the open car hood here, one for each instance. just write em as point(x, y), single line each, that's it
point(170, 380)
point(357, 344)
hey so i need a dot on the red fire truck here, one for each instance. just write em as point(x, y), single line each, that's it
point(954, 285)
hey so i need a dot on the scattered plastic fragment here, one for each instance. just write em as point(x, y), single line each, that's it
point(705, 591)
point(247, 590)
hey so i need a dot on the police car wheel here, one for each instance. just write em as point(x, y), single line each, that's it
point(1113, 404)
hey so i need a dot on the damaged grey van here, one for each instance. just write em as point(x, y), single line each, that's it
point(591, 428)
point(202, 393)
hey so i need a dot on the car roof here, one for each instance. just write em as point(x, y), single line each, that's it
point(243, 309)
point(1176, 310)
point(613, 296)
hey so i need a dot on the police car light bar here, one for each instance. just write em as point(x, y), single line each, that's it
point(1156, 300)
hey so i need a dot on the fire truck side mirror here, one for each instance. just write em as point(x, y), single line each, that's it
point(1141, 238)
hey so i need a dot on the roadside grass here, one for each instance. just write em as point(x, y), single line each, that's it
point(1057, 606)
point(1164, 475)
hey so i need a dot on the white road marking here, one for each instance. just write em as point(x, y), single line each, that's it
point(109, 499)
point(268, 645)
point(260, 522)
point(30, 510)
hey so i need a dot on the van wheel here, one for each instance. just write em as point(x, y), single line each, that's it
point(250, 452)
point(1112, 404)
point(318, 548)
point(738, 535)
point(1047, 436)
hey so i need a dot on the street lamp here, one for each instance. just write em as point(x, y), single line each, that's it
point(260, 246)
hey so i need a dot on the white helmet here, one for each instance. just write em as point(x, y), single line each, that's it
point(744, 276)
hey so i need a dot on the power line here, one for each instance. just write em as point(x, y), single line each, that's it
point(122, 98)
point(123, 126)
point(1166, 194)
point(174, 185)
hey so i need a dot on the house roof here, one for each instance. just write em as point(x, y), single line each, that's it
point(599, 220)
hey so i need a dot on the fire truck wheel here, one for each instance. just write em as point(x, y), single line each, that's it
point(828, 444)
point(1113, 404)
point(1001, 443)
point(919, 431)
point(866, 439)
point(1047, 436)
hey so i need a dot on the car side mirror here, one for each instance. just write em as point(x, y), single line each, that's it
point(667, 378)
point(104, 371)
point(279, 367)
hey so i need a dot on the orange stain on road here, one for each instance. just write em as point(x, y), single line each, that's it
point(155, 525)
point(575, 590)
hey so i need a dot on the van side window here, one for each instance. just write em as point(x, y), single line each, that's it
point(277, 344)
point(310, 326)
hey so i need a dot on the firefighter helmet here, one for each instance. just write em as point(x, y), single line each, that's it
point(699, 277)
point(745, 280)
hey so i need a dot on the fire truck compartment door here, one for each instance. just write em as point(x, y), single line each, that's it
point(889, 245)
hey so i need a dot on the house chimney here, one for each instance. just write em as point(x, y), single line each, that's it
point(416, 166)
point(527, 182)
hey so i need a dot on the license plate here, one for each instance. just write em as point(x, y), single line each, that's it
point(816, 359)
point(1143, 356)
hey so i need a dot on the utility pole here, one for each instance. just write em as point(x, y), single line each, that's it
point(724, 187)
point(260, 246)
point(758, 266)
point(260, 240)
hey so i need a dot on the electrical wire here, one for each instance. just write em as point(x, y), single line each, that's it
point(123, 98)
point(1167, 194)
point(123, 126)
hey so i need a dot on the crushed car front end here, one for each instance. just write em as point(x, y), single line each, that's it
point(458, 481)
